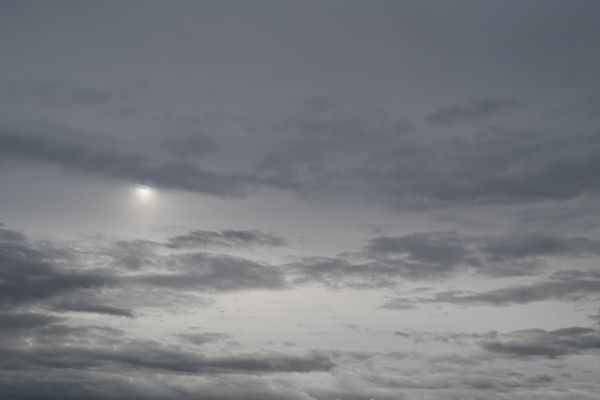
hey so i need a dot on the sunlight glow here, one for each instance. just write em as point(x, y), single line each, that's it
point(144, 192)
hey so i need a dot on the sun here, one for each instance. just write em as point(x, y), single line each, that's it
point(144, 192)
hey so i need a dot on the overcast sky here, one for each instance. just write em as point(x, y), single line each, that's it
point(300, 200)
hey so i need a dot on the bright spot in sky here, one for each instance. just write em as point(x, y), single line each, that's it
point(144, 192)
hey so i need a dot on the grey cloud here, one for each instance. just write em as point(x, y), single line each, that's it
point(38, 341)
point(67, 278)
point(128, 167)
point(445, 337)
point(569, 287)
point(516, 254)
point(385, 260)
point(433, 254)
point(359, 160)
point(21, 321)
point(94, 308)
point(153, 357)
point(53, 93)
point(587, 106)
point(338, 273)
point(488, 382)
point(595, 317)
point(523, 246)
point(7, 235)
point(203, 271)
point(131, 254)
point(190, 145)
point(547, 344)
point(370, 162)
point(202, 338)
point(105, 386)
point(226, 238)
point(496, 166)
point(29, 274)
point(472, 110)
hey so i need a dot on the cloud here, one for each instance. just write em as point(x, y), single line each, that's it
point(10, 321)
point(31, 273)
point(361, 157)
point(226, 238)
point(570, 286)
point(71, 306)
point(54, 93)
point(595, 317)
point(128, 167)
point(77, 276)
point(482, 382)
point(516, 247)
point(472, 110)
point(204, 271)
point(203, 338)
point(547, 344)
point(151, 356)
point(385, 260)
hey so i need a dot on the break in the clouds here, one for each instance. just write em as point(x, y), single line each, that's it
point(299, 200)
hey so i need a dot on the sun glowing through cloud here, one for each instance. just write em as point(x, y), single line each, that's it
point(144, 193)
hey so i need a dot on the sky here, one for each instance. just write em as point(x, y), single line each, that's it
point(299, 200)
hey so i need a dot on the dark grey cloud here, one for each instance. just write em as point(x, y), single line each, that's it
point(472, 110)
point(31, 274)
point(20, 321)
point(370, 161)
point(226, 238)
point(494, 166)
point(385, 260)
point(130, 254)
point(39, 340)
point(75, 277)
point(202, 338)
point(53, 93)
point(488, 383)
point(149, 356)
point(515, 247)
point(515, 254)
point(114, 387)
point(572, 285)
point(132, 168)
point(586, 106)
point(356, 159)
point(595, 317)
point(204, 271)
point(72, 306)
point(445, 337)
point(339, 273)
point(338, 118)
point(547, 344)
point(190, 146)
